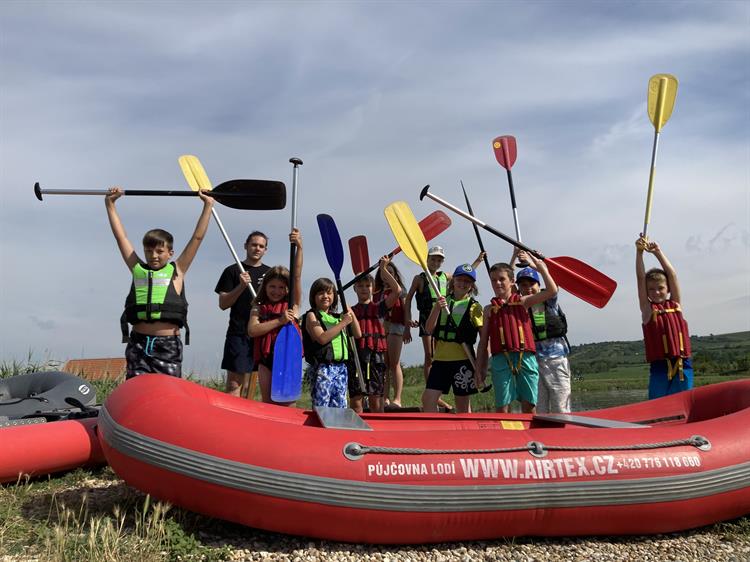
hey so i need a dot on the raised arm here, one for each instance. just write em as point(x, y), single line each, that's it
point(390, 282)
point(188, 254)
point(477, 262)
point(640, 275)
point(123, 243)
point(550, 287)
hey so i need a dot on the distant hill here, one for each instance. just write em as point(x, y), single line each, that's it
point(724, 354)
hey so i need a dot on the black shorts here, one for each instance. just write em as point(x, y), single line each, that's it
point(458, 375)
point(238, 354)
point(153, 354)
point(374, 375)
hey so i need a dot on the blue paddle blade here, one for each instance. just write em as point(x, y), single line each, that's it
point(286, 375)
point(331, 243)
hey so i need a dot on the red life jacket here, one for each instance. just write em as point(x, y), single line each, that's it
point(370, 321)
point(263, 345)
point(510, 326)
point(666, 333)
point(395, 314)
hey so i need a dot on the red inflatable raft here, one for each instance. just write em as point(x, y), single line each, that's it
point(40, 448)
point(665, 465)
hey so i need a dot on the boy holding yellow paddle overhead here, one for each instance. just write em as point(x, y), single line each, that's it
point(665, 331)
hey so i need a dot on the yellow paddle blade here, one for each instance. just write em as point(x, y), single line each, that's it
point(194, 173)
point(662, 90)
point(407, 232)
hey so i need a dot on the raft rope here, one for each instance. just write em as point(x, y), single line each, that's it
point(355, 451)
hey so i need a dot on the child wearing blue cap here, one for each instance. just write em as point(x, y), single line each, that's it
point(550, 327)
point(507, 331)
point(454, 323)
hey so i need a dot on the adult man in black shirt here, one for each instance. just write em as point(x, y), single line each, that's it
point(234, 294)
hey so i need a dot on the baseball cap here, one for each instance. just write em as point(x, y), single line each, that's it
point(436, 251)
point(528, 273)
point(465, 269)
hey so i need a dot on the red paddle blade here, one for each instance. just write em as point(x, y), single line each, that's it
point(359, 254)
point(505, 151)
point(581, 280)
point(433, 224)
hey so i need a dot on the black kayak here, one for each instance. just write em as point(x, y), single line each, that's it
point(53, 395)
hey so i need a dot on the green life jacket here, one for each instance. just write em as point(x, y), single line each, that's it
point(426, 297)
point(462, 329)
point(547, 322)
point(153, 298)
point(335, 351)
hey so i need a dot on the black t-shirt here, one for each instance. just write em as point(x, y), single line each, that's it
point(239, 313)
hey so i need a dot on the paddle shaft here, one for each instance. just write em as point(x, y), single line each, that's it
point(472, 218)
point(231, 249)
point(476, 229)
point(651, 176)
point(352, 343)
point(196, 177)
point(368, 270)
point(140, 192)
point(296, 162)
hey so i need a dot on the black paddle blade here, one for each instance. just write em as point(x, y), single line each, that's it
point(256, 195)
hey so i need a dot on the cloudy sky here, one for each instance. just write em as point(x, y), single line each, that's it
point(378, 99)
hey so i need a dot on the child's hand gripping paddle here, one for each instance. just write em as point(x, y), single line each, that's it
point(576, 277)
point(410, 238)
point(662, 90)
point(432, 225)
point(359, 255)
point(335, 256)
point(254, 195)
point(286, 375)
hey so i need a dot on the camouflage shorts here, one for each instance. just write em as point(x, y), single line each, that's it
point(373, 372)
point(153, 354)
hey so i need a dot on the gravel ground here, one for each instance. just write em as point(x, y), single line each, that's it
point(698, 546)
point(703, 545)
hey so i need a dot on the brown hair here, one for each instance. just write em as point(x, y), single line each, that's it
point(157, 237)
point(656, 274)
point(276, 272)
point(474, 291)
point(256, 233)
point(502, 266)
point(323, 285)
